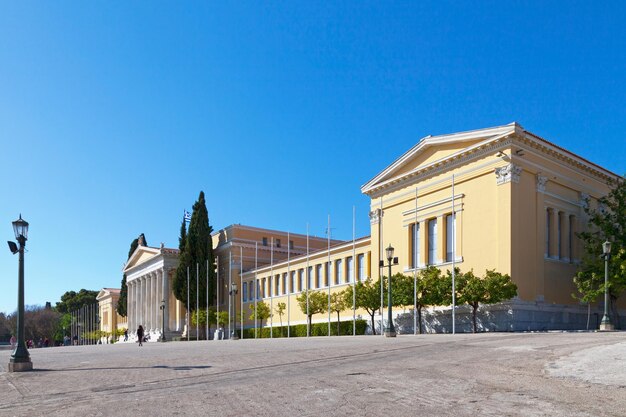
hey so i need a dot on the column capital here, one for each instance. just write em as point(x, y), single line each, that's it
point(508, 173)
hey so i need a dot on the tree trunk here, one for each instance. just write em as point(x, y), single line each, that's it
point(373, 325)
point(308, 328)
point(338, 324)
point(474, 307)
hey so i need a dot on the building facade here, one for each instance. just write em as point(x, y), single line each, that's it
point(499, 198)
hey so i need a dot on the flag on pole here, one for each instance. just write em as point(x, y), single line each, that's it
point(187, 216)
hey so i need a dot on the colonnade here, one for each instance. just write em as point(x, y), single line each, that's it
point(146, 295)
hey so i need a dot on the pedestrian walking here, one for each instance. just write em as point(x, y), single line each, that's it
point(13, 341)
point(140, 335)
point(125, 335)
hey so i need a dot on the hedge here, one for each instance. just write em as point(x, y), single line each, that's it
point(317, 329)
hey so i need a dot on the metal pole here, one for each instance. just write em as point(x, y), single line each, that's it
point(289, 286)
point(187, 318)
point(207, 299)
point(391, 331)
point(415, 265)
point(328, 271)
point(270, 286)
point(230, 280)
point(256, 286)
point(453, 263)
point(241, 287)
point(197, 299)
point(354, 266)
point(381, 269)
point(605, 324)
point(307, 276)
point(217, 296)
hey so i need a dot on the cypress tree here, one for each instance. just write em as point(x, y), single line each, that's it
point(196, 247)
point(122, 307)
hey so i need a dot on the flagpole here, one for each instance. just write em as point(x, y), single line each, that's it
point(187, 318)
point(328, 271)
point(453, 261)
point(217, 295)
point(207, 299)
point(256, 286)
point(197, 299)
point(380, 270)
point(241, 291)
point(270, 287)
point(308, 325)
point(289, 287)
point(354, 266)
point(415, 265)
point(230, 284)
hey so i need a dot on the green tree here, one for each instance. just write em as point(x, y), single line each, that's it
point(493, 288)
point(72, 301)
point(280, 310)
point(318, 303)
point(338, 303)
point(367, 297)
point(222, 318)
point(196, 247)
point(607, 221)
point(430, 290)
point(261, 312)
point(122, 303)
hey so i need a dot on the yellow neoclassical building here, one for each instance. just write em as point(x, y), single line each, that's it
point(497, 198)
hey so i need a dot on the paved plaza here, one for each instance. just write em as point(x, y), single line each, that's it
point(497, 374)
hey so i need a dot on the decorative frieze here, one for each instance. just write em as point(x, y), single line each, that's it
point(508, 173)
point(541, 183)
point(375, 216)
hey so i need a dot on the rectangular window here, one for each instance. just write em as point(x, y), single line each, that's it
point(258, 290)
point(432, 241)
point(300, 279)
point(559, 220)
point(277, 285)
point(278, 243)
point(415, 245)
point(310, 277)
point(263, 287)
point(251, 291)
point(293, 282)
point(570, 240)
point(450, 227)
point(285, 283)
point(350, 276)
point(264, 241)
point(291, 244)
point(361, 260)
point(245, 292)
point(548, 233)
point(339, 271)
point(318, 276)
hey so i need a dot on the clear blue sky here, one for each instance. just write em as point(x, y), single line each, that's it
point(114, 115)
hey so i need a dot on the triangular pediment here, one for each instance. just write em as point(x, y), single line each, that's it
point(433, 150)
point(141, 255)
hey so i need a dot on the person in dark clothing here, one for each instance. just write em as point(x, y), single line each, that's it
point(140, 335)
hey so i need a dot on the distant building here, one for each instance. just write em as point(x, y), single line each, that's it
point(110, 320)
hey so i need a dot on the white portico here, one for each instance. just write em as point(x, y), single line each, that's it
point(149, 273)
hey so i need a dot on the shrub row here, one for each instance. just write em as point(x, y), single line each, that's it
point(299, 330)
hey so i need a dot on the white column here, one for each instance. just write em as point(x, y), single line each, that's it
point(155, 306)
point(129, 304)
point(166, 298)
point(142, 300)
point(150, 301)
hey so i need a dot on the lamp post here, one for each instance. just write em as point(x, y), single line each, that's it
point(233, 291)
point(390, 330)
point(162, 308)
point(605, 324)
point(20, 358)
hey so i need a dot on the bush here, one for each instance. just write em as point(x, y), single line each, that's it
point(317, 329)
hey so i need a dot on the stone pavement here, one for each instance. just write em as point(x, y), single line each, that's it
point(493, 374)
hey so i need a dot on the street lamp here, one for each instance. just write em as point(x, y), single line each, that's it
point(162, 308)
point(233, 291)
point(605, 324)
point(20, 358)
point(390, 330)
